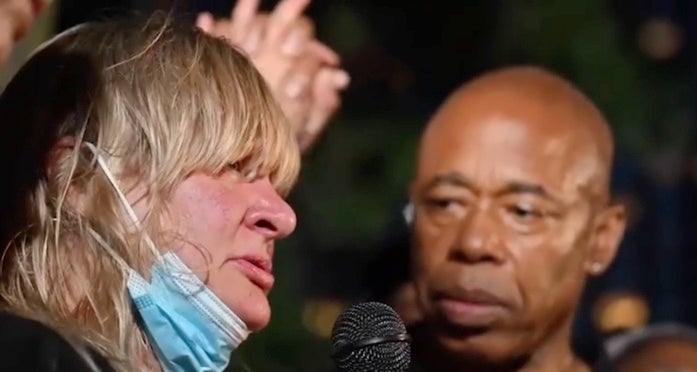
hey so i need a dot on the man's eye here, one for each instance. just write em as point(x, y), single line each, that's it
point(525, 212)
point(440, 203)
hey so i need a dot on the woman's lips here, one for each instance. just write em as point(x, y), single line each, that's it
point(255, 273)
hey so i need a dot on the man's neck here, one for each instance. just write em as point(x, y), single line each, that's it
point(554, 355)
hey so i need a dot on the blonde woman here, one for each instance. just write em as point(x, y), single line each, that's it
point(147, 164)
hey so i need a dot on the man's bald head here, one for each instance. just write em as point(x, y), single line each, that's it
point(511, 216)
point(542, 100)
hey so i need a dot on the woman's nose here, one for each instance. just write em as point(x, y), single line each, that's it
point(269, 214)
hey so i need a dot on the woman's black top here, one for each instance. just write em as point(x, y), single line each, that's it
point(27, 345)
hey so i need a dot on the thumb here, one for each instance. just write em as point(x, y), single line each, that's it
point(205, 22)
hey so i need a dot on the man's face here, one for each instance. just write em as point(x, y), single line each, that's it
point(502, 230)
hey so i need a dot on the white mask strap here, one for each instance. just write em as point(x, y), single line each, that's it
point(124, 201)
point(109, 250)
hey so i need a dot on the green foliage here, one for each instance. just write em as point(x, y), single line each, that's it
point(647, 105)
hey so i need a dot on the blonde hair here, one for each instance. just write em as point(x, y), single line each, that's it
point(160, 100)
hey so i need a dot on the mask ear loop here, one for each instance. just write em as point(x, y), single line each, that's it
point(124, 201)
point(120, 261)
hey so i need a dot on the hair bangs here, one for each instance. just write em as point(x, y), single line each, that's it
point(220, 113)
point(247, 129)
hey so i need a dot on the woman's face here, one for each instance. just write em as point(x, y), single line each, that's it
point(226, 228)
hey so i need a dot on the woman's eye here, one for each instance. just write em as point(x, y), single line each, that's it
point(235, 167)
point(245, 173)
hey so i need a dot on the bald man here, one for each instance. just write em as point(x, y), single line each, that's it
point(511, 215)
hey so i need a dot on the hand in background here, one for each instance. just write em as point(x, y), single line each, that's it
point(16, 16)
point(303, 73)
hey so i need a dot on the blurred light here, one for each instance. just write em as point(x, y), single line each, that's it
point(620, 311)
point(319, 315)
point(660, 39)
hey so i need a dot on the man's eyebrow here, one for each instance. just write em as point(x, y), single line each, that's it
point(522, 187)
point(511, 187)
point(452, 179)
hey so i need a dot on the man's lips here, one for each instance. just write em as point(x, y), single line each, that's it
point(257, 270)
point(469, 308)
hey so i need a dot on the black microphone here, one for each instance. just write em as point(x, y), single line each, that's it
point(370, 336)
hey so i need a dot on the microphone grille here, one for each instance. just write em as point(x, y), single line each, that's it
point(365, 321)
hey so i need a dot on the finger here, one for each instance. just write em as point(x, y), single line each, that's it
point(241, 17)
point(295, 91)
point(298, 37)
point(252, 43)
point(296, 110)
point(223, 28)
point(20, 15)
point(341, 79)
point(325, 94)
point(282, 17)
point(326, 101)
point(6, 40)
point(205, 22)
point(324, 53)
point(298, 81)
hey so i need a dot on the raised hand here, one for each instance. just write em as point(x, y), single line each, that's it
point(302, 72)
point(16, 16)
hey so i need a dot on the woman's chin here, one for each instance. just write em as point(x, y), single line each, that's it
point(247, 300)
point(255, 313)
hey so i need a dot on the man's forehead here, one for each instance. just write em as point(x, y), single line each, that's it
point(501, 149)
point(502, 135)
point(520, 123)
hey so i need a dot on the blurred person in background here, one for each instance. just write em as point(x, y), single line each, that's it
point(511, 216)
point(16, 16)
point(656, 348)
point(124, 194)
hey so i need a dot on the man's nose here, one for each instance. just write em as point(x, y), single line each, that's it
point(269, 214)
point(478, 239)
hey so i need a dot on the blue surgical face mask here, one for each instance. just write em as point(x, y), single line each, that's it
point(188, 326)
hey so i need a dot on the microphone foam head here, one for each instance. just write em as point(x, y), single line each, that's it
point(370, 336)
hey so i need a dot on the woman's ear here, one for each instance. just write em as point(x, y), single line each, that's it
point(62, 148)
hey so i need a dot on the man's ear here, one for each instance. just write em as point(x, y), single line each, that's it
point(607, 233)
point(61, 149)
